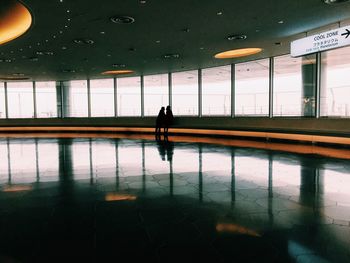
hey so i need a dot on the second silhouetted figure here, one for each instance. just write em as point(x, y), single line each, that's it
point(169, 119)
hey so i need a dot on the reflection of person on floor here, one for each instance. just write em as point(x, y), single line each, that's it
point(165, 148)
point(169, 146)
point(161, 148)
point(160, 121)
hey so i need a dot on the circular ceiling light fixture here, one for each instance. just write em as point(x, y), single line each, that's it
point(330, 2)
point(236, 53)
point(117, 72)
point(236, 37)
point(122, 19)
point(15, 20)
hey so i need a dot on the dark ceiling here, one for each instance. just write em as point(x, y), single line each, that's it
point(194, 29)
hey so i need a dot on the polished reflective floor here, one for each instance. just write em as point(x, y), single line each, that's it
point(91, 199)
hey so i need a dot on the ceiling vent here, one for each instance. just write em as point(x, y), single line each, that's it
point(236, 37)
point(122, 19)
point(83, 41)
point(171, 56)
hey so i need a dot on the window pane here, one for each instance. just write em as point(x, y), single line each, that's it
point(216, 90)
point(46, 101)
point(2, 101)
point(252, 88)
point(185, 93)
point(156, 93)
point(20, 99)
point(129, 96)
point(335, 83)
point(287, 89)
point(102, 97)
point(75, 98)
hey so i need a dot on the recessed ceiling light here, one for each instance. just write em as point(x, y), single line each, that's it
point(157, 41)
point(64, 48)
point(236, 53)
point(142, 1)
point(237, 37)
point(335, 1)
point(280, 22)
point(219, 13)
point(122, 19)
point(117, 72)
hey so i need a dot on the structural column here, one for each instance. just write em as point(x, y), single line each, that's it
point(115, 97)
point(170, 86)
point(34, 100)
point(308, 86)
point(65, 91)
point(233, 97)
point(6, 101)
point(271, 73)
point(89, 97)
point(59, 99)
point(142, 97)
point(200, 95)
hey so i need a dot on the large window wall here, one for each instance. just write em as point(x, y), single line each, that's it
point(252, 88)
point(129, 96)
point(156, 90)
point(2, 101)
point(216, 91)
point(274, 87)
point(46, 99)
point(20, 99)
point(335, 83)
point(185, 93)
point(102, 97)
point(75, 98)
point(287, 86)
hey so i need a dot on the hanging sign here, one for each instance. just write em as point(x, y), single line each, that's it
point(324, 41)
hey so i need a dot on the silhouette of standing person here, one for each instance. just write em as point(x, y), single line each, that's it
point(160, 121)
point(169, 119)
